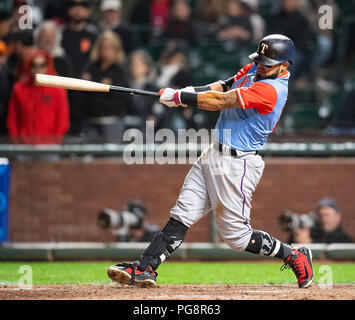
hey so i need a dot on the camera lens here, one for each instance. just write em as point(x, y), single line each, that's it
point(104, 220)
point(285, 222)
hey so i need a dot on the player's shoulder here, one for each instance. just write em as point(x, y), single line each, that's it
point(274, 87)
point(244, 70)
point(263, 88)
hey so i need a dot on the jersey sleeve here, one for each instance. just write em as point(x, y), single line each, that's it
point(260, 95)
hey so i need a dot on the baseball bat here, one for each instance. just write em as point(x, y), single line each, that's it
point(85, 85)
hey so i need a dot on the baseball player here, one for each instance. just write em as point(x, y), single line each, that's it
point(226, 174)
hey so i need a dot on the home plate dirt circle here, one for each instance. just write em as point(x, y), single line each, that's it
point(179, 292)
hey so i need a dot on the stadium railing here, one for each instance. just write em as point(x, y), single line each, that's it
point(302, 149)
point(69, 251)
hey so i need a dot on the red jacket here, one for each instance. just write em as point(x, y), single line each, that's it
point(37, 115)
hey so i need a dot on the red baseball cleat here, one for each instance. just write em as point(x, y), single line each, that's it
point(129, 273)
point(300, 261)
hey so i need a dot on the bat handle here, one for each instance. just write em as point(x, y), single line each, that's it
point(116, 89)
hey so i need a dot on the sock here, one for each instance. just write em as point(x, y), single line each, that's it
point(284, 251)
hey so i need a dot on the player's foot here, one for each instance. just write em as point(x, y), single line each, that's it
point(129, 273)
point(300, 261)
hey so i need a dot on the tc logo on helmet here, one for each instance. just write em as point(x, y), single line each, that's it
point(263, 48)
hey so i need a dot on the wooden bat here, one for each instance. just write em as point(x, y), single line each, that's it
point(85, 85)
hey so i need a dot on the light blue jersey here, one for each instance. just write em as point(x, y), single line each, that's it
point(247, 128)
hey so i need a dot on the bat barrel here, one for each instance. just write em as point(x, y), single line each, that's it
point(70, 83)
point(85, 85)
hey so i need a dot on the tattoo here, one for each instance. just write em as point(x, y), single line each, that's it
point(215, 101)
point(231, 100)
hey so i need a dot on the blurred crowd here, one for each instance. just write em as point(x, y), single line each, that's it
point(107, 40)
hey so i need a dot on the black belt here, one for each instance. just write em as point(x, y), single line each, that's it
point(233, 152)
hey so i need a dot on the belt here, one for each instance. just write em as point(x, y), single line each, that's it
point(234, 152)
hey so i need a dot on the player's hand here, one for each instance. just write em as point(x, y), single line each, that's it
point(170, 97)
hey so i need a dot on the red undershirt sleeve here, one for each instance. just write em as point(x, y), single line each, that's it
point(260, 95)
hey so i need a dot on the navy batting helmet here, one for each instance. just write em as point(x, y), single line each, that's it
point(274, 49)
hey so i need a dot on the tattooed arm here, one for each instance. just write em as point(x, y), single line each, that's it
point(215, 101)
point(208, 100)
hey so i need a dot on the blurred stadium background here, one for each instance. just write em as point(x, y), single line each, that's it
point(54, 187)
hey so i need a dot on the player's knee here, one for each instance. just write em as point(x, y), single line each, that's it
point(236, 241)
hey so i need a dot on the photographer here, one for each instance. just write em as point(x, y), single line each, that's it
point(325, 228)
point(128, 225)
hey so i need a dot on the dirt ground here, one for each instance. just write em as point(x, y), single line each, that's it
point(178, 292)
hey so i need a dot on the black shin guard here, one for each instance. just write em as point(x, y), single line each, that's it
point(265, 245)
point(163, 244)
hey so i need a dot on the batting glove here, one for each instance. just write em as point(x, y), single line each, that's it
point(170, 97)
point(188, 89)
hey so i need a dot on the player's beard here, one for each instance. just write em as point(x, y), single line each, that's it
point(259, 77)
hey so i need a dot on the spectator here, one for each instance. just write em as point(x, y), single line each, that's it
point(181, 26)
point(6, 68)
point(37, 115)
point(155, 13)
point(344, 117)
point(104, 113)
point(159, 15)
point(324, 37)
point(173, 72)
point(111, 11)
point(5, 37)
point(5, 26)
point(6, 83)
point(78, 35)
point(17, 14)
point(208, 14)
point(48, 38)
point(23, 47)
point(235, 25)
point(77, 41)
point(142, 75)
point(210, 11)
point(257, 22)
point(328, 228)
point(55, 10)
point(290, 22)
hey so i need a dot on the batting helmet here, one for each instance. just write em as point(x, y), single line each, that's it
point(274, 49)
